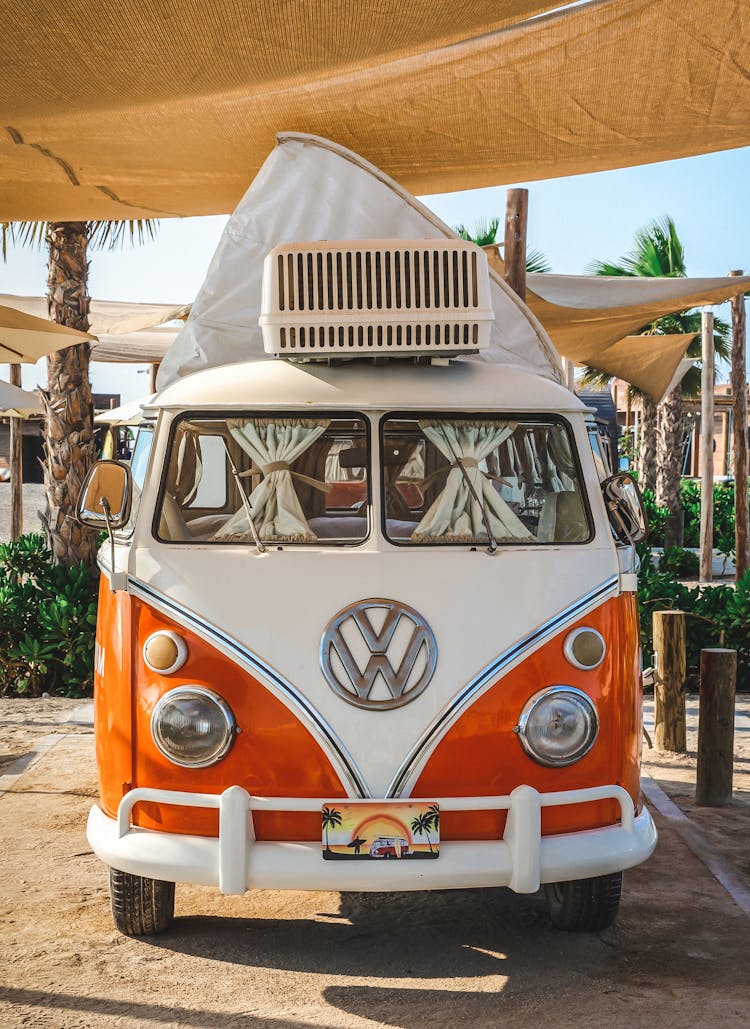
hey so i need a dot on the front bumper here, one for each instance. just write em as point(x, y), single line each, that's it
point(235, 862)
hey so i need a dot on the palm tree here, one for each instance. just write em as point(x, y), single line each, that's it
point(69, 432)
point(421, 826)
point(332, 820)
point(484, 234)
point(659, 253)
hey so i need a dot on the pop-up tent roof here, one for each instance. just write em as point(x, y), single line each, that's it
point(310, 189)
point(143, 109)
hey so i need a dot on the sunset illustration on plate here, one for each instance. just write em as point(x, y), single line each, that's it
point(380, 831)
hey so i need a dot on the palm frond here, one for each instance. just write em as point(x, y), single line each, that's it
point(536, 261)
point(483, 232)
point(113, 234)
point(31, 234)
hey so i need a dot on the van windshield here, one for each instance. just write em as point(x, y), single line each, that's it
point(458, 479)
point(304, 480)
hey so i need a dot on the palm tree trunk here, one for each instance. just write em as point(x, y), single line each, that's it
point(69, 442)
point(647, 450)
point(669, 465)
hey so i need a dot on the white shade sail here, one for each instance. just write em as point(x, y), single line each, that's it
point(18, 403)
point(24, 338)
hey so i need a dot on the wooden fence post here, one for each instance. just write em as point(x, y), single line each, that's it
point(16, 464)
point(716, 727)
point(669, 680)
point(738, 380)
point(707, 447)
point(514, 253)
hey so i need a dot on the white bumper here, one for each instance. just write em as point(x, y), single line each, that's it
point(235, 862)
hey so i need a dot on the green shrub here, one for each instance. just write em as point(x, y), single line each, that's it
point(47, 622)
point(716, 616)
point(680, 562)
point(690, 495)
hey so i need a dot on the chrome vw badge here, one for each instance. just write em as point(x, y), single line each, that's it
point(378, 654)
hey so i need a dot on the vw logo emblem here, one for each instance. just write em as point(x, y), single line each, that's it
point(378, 640)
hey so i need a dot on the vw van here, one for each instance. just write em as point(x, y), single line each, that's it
point(367, 584)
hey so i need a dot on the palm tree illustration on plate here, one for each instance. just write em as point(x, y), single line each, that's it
point(421, 826)
point(331, 820)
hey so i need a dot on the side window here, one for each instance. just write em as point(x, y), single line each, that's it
point(138, 467)
point(600, 458)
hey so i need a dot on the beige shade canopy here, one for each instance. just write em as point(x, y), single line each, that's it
point(24, 338)
point(18, 403)
point(152, 110)
point(106, 316)
point(650, 363)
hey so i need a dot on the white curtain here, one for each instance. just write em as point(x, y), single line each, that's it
point(274, 446)
point(455, 516)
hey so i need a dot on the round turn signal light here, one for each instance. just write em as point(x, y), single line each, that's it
point(585, 648)
point(165, 652)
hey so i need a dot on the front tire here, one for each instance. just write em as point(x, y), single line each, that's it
point(585, 905)
point(140, 906)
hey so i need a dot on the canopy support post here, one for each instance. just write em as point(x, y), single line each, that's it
point(514, 252)
point(707, 447)
point(16, 464)
point(738, 382)
point(153, 372)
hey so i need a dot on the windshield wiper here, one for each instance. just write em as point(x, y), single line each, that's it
point(245, 502)
point(480, 501)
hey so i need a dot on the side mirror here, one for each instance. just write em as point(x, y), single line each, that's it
point(106, 496)
point(627, 515)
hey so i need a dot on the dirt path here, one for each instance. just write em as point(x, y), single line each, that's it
point(481, 958)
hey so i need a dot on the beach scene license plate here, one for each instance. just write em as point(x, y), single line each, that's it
point(381, 831)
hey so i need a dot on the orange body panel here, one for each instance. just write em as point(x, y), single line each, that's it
point(482, 756)
point(274, 754)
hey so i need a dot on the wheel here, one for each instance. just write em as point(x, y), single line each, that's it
point(585, 905)
point(140, 907)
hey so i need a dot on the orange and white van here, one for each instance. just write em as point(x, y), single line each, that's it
point(368, 587)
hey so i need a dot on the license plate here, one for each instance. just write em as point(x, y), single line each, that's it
point(379, 831)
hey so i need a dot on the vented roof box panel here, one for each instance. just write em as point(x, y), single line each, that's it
point(363, 297)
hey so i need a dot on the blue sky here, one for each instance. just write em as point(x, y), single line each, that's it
point(572, 220)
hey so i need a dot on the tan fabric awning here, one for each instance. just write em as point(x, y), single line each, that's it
point(24, 338)
point(153, 110)
point(647, 362)
point(147, 346)
point(18, 403)
point(106, 316)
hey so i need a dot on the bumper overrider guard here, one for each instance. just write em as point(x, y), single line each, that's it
point(235, 862)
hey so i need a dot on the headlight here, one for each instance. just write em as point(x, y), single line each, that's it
point(558, 726)
point(192, 726)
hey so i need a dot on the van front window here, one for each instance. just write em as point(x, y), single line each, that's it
point(298, 479)
point(458, 479)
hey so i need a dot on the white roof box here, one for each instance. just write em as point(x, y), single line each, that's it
point(360, 298)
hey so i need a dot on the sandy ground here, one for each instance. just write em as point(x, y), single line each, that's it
point(33, 500)
point(675, 957)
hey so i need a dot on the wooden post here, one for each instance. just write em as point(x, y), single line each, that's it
point(669, 680)
point(716, 727)
point(738, 382)
point(154, 371)
point(514, 254)
point(16, 464)
point(707, 447)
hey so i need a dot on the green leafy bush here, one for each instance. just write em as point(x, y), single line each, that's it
point(47, 622)
point(680, 562)
point(716, 616)
point(690, 495)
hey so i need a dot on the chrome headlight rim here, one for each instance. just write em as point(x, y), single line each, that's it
point(221, 704)
point(530, 706)
point(569, 644)
point(180, 644)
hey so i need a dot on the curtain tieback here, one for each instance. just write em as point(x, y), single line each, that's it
point(467, 462)
point(283, 466)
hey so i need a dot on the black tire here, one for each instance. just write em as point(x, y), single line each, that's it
point(585, 905)
point(140, 907)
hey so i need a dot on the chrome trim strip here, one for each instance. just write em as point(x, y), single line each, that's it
point(489, 675)
point(251, 662)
